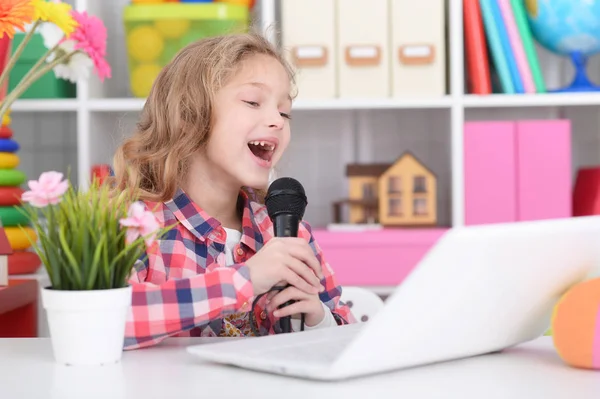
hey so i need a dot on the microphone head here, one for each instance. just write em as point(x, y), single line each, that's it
point(286, 195)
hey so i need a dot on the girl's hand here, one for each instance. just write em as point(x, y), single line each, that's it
point(288, 260)
point(309, 304)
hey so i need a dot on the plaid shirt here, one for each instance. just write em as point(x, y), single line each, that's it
point(185, 288)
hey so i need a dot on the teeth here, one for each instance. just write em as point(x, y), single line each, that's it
point(268, 146)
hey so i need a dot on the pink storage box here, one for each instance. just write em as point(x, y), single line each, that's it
point(517, 170)
point(375, 258)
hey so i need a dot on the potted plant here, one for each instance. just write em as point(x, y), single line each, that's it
point(88, 242)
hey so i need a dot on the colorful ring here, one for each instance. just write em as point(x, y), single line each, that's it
point(6, 119)
point(10, 195)
point(5, 132)
point(8, 145)
point(12, 216)
point(9, 160)
point(11, 177)
point(23, 262)
point(19, 236)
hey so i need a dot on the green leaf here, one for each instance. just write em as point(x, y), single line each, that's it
point(93, 275)
point(71, 259)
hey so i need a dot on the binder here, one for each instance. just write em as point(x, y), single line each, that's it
point(308, 38)
point(528, 44)
point(477, 60)
point(493, 36)
point(363, 48)
point(418, 48)
point(517, 46)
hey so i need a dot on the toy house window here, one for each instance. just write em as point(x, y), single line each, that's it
point(420, 207)
point(394, 184)
point(419, 184)
point(368, 191)
point(395, 207)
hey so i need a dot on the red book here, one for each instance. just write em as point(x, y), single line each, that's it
point(478, 76)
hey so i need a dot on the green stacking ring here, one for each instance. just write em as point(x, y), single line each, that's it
point(12, 177)
point(11, 216)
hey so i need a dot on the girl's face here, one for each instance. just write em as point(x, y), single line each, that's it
point(252, 127)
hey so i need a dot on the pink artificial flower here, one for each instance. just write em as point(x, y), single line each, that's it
point(140, 222)
point(49, 189)
point(90, 36)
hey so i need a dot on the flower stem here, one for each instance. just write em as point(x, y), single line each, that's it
point(23, 85)
point(13, 59)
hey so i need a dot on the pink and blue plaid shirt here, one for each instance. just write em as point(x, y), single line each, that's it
point(185, 288)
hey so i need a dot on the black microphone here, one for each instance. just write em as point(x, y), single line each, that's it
point(286, 203)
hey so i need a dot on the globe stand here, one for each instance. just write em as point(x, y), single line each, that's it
point(581, 82)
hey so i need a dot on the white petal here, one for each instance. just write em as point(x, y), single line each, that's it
point(78, 67)
point(67, 45)
point(51, 34)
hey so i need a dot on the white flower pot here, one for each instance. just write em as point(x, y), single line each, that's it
point(87, 327)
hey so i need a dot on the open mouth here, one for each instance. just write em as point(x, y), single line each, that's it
point(262, 150)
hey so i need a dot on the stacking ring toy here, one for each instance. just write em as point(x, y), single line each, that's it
point(10, 195)
point(5, 132)
point(6, 119)
point(23, 262)
point(8, 160)
point(12, 216)
point(8, 145)
point(19, 237)
point(11, 177)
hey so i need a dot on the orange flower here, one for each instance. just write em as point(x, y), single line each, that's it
point(14, 14)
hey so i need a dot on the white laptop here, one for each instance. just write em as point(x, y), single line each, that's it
point(480, 289)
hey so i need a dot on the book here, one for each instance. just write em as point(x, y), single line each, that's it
point(528, 44)
point(478, 68)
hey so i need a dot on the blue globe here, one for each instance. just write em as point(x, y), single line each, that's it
point(567, 27)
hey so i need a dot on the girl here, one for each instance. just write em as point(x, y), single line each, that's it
point(214, 125)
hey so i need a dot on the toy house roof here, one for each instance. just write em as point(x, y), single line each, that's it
point(408, 153)
point(378, 169)
point(5, 248)
point(367, 170)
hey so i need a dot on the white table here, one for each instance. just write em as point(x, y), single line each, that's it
point(532, 370)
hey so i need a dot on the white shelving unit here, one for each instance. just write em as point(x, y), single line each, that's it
point(357, 130)
point(327, 134)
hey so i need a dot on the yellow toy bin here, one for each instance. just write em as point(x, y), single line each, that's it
point(156, 32)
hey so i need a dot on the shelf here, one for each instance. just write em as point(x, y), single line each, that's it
point(136, 104)
point(468, 101)
point(45, 105)
point(373, 103)
point(531, 100)
point(116, 104)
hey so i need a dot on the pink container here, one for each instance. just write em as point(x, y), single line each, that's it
point(517, 171)
point(544, 169)
point(376, 258)
point(490, 172)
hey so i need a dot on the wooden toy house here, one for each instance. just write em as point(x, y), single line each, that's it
point(5, 250)
point(403, 193)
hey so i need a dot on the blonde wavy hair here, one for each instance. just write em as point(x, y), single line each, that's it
point(177, 118)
